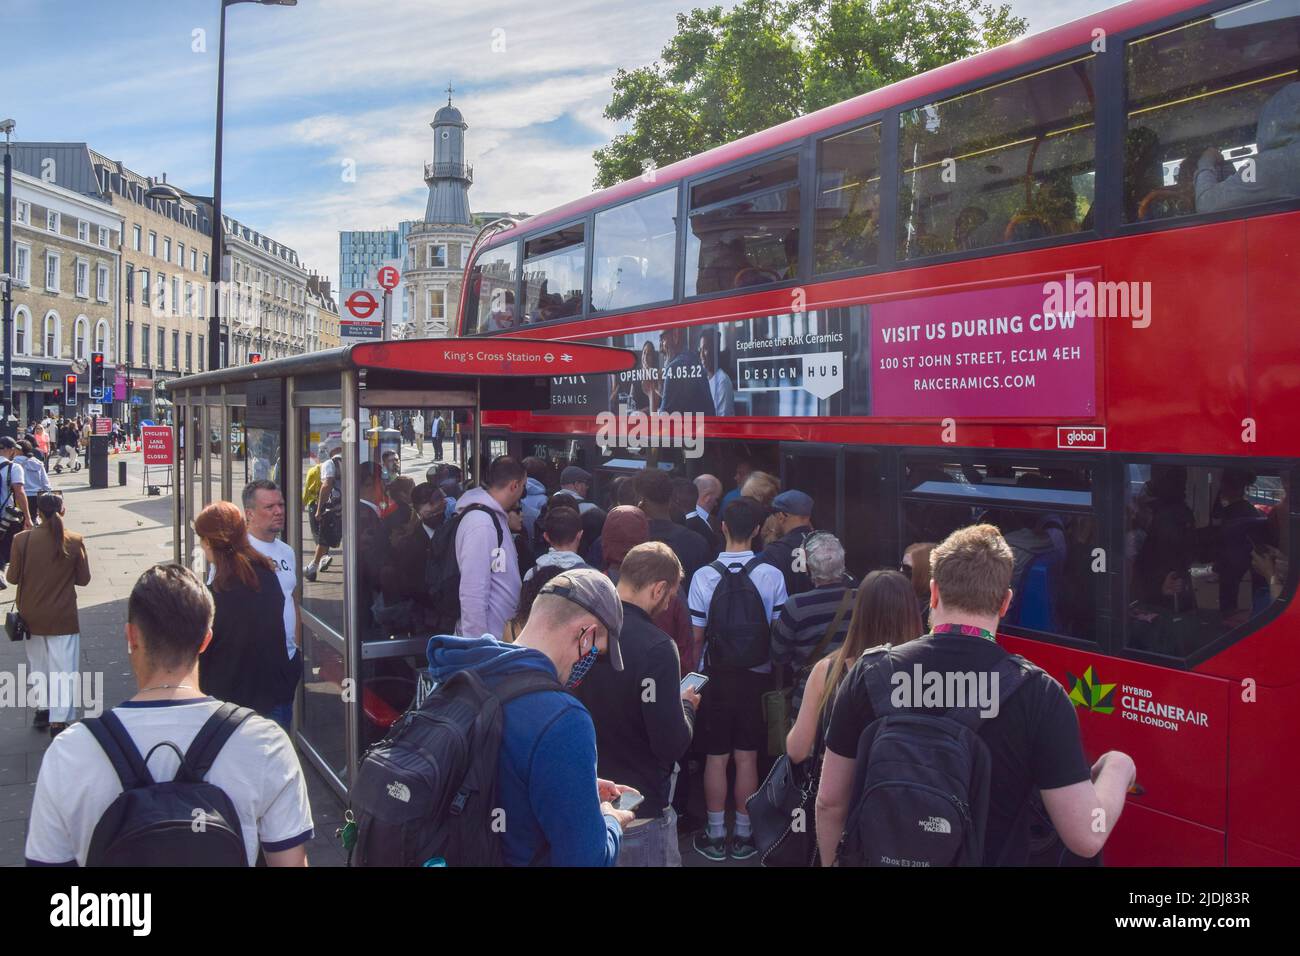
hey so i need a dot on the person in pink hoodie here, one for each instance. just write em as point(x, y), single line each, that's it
point(489, 571)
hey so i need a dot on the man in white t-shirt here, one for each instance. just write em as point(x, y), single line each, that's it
point(417, 426)
point(730, 724)
point(168, 623)
point(265, 515)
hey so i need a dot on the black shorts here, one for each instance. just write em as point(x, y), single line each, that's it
point(331, 528)
point(731, 712)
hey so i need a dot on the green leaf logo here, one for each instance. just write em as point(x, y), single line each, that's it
point(1088, 693)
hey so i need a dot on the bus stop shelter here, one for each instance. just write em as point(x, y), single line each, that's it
point(277, 420)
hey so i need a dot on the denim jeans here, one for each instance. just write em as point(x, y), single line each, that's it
point(651, 843)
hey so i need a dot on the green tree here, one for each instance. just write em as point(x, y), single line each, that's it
point(728, 73)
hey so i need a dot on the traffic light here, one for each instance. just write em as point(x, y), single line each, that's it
point(96, 375)
point(58, 395)
point(70, 390)
point(254, 358)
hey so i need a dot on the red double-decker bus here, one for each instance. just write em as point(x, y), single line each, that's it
point(1051, 286)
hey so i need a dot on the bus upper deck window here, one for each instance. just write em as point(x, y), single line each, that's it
point(554, 270)
point(848, 200)
point(744, 228)
point(1007, 163)
point(634, 250)
point(1214, 113)
point(493, 290)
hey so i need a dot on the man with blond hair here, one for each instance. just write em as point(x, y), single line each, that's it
point(1032, 736)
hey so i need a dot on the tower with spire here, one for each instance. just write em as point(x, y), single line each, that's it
point(436, 247)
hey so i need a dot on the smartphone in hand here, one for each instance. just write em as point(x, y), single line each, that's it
point(628, 800)
point(695, 681)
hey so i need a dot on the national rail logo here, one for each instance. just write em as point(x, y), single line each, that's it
point(1087, 692)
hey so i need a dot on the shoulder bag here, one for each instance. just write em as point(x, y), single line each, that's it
point(15, 627)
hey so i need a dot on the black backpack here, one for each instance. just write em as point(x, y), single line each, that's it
point(157, 824)
point(922, 781)
point(738, 635)
point(442, 573)
point(426, 795)
point(335, 500)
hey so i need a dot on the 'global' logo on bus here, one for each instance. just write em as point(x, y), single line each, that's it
point(1075, 437)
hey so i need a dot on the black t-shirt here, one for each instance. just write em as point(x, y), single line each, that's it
point(691, 549)
point(1033, 741)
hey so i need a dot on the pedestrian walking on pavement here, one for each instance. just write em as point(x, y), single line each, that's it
point(245, 663)
point(48, 564)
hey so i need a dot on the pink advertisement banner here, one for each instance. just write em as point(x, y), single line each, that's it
point(1010, 352)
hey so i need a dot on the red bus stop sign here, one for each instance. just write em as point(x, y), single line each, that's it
point(388, 278)
point(362, 304)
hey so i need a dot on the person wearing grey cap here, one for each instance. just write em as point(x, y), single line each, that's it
point(14, 508)
point(792, 513)
point(556, 811)
point(576, 483)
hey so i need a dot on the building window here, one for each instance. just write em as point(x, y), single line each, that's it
point(153, 244)
point(176, 351)
point(435, 255)
point(144, 346)
point(83, 279)
point(24, 212)
point(180, 254)
point(103, 236)
point(189, 352)
point(51, 220)
point(22, 321)
point(194, 260)
point(189, 298)
point(130, 342)
point(206, 269)
point(135, 238)
point(101, 283)
point(53, 335)
point(176, 295)
point(144, 286)
point(80, 331)
point(22, 264)
point(83, 230)
point(162, 348)
point(162, 292)
point(51, 272)
point(167, 248)
point(202, 354)
point(101, 340)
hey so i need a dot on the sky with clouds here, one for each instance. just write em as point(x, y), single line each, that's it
point(311, 87)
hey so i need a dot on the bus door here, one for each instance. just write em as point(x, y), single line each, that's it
point(844, 484)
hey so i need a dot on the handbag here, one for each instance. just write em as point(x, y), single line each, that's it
point(15, 627)
point(780, 813)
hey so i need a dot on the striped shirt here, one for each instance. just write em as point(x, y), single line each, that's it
point(801, 626)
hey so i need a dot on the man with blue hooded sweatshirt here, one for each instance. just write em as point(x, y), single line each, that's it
point(557, 812)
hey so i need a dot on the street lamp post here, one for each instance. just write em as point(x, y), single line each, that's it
point(216, 340)
point(6, 428)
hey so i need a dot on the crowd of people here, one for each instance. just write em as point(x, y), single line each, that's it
point(680, 638)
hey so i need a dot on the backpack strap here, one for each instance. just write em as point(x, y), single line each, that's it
point(120, 749)
point(490, 513)
point(878, 669)
point(719, 567)
point(1012, 671)
point(207, 743)
point(754, 562)
point(523, 683)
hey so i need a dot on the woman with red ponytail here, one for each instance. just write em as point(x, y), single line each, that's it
point(245, 662)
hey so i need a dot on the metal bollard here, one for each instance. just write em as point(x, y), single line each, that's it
point(121, 473)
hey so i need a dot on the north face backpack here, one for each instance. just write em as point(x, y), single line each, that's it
point(426, 795)
point(738, 634)
point(185, 821)
point(442, 572)
point(921, 783)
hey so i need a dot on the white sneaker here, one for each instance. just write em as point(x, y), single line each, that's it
point(325, 561)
